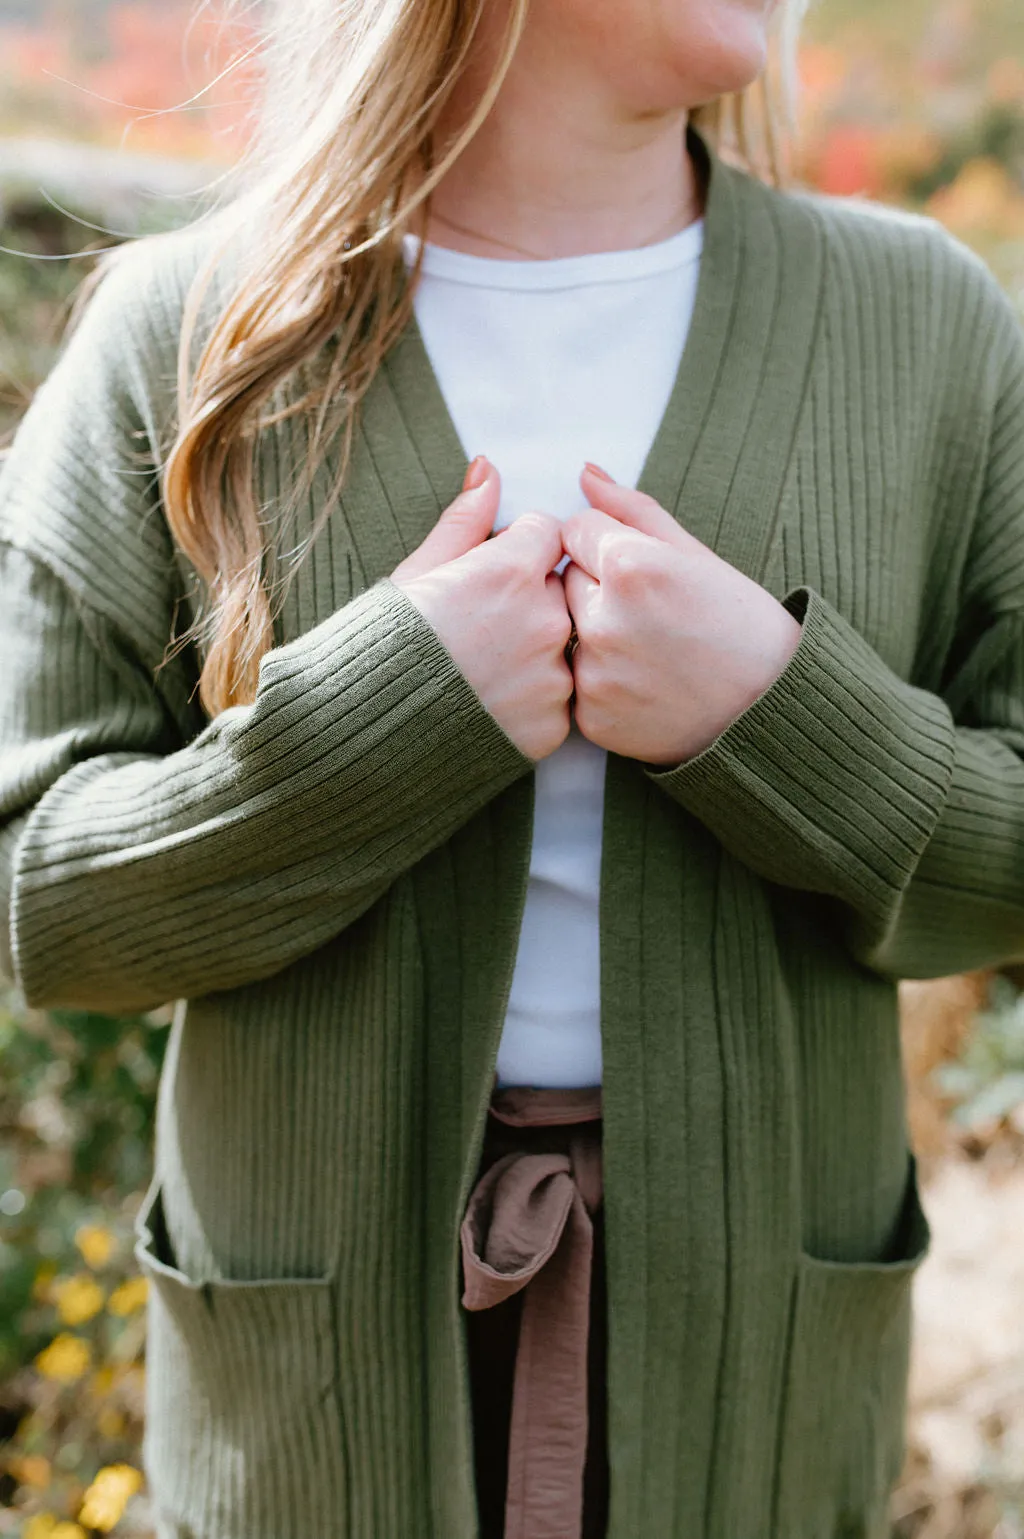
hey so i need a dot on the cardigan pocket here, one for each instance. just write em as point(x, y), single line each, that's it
point(842, 1436)
point(242, 1415)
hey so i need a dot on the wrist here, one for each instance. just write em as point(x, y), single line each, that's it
point(790, 632)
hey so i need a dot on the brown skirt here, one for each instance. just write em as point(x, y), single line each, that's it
point(523, 1121)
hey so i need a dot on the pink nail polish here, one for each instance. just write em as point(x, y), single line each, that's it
point(476, 475)
point(595, 470)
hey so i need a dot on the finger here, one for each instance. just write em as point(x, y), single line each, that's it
point(555, 597)
point(534, 539)
point(631, 507)
point(585, 536)
point(580, 591)
point(463, 525)
point(555, 590)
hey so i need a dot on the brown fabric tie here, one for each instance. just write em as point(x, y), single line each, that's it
point(527, 1225)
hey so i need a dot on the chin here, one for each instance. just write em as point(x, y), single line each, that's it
point(716, 47)
point(698, 50)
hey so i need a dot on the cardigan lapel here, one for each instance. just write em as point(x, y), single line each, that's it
point(719, 458)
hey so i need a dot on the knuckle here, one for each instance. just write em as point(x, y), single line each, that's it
point(538, 524)
point(555, 631)
point(591, 680)
point(627, 567)
point(457, 524)
point(584, 715)
point(505, 572)
point(596, 633)
point(548, 734)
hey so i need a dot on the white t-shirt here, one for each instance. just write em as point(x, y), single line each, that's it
point(543, 365)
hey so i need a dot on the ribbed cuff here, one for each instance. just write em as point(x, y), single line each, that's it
point(833, 779)
point(366, 747)
point(376, 678)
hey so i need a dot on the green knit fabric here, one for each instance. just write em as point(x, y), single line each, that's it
point(330, 882)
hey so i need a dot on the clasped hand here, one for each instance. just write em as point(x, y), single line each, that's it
point(674, 643)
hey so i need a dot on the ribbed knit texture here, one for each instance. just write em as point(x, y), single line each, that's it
point(331, 882)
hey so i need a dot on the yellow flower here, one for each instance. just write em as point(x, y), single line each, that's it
point(65, 1359)
point(45, 1526)
point(128, 1296)
point(110, 1423)
point(40, 1527)
point(96, 1243)
point(32, 1470)
point(78, 1298)
point(108, 1496)
point(102, 1381)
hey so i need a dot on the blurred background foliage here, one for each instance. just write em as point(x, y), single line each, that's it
point(921, 103)
point(76, 1103)
point(106, 121)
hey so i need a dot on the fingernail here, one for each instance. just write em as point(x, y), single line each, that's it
point(476, 475)
point(595, 470)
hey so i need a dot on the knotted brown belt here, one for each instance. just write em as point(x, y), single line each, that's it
point(527, 1226)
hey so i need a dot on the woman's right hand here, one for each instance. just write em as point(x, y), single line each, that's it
point(499, 608)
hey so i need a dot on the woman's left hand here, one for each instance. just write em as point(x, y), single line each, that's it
point(674, 643)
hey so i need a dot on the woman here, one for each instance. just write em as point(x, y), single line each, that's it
point(474, 860)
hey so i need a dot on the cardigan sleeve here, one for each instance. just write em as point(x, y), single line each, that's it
point(902, 807)
point(147, 853)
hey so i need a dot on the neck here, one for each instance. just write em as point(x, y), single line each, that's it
point(560, 169)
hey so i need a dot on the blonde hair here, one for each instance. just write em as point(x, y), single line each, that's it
point(344, 155)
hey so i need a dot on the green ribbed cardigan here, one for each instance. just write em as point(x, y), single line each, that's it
point(330, 882)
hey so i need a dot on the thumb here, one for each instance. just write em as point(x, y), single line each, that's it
point(465, 523)
point(633, 508)
point(534, 541)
